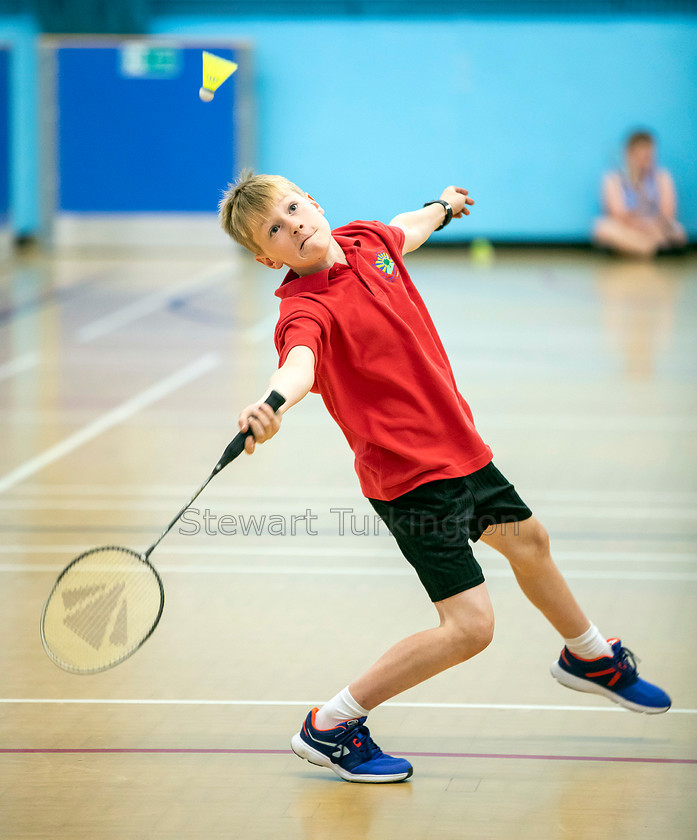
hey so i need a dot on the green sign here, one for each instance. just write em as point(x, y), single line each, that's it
point(141, 61)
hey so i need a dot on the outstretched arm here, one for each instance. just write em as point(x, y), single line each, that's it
point(292, 380)
point(418, 225)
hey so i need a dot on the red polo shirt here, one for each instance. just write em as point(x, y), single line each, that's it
point(380, 368)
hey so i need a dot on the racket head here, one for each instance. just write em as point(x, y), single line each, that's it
point(103, 607)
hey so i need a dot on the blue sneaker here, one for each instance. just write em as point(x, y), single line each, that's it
point(349, 751)
point(614, 677)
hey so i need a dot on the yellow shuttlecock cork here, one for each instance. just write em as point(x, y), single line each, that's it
point(215, 71)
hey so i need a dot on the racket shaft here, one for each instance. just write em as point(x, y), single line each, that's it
point(233, 449)
point(166, 531)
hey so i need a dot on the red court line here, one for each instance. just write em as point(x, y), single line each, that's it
point(219, 751)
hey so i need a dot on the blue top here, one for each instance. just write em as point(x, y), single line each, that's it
point(642, 198)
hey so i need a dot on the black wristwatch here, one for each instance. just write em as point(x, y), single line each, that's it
point(448, 211)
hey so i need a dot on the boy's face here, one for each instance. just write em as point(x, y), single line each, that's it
point(294, 233)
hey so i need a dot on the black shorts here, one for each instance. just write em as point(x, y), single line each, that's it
point(434, 523)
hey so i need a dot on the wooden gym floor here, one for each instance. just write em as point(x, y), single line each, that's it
point(120, 381)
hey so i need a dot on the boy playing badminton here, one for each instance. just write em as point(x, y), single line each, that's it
point(353, 328)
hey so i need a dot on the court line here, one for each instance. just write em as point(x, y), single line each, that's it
point(18, 365)
point(626, 496)
point(307, 704)
point(55, 296)
point(560, 536)
point(336, 494)
point(627, 759)
point(112, 418)
point(150, 303)
point(365, 571)
point(224, 550)
point(587, 422)
point(546, 422)
point(233, 548)
point(356, 505)
point(233, 751)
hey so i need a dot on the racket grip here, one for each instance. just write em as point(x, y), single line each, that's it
point(236, 445)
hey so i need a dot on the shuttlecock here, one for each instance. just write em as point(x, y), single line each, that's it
point(215, 71)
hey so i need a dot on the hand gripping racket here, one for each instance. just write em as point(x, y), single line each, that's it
point(108, 601)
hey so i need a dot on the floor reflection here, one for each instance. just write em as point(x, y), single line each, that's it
point(639, 302)
point(332, 808)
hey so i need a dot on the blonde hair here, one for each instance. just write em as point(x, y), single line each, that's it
point(247, 202)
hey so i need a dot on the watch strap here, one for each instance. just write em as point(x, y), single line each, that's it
point(448, 211)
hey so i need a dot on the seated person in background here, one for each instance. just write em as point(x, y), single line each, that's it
point(639, 204)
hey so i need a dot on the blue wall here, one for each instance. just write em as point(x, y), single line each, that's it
point(143, 143)
point(374, 117)
point(20, 31)
point(4, 135)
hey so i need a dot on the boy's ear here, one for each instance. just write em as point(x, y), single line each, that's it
point(321, 210)
point(269, 263)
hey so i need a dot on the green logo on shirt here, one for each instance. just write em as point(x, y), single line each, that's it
point(386, 264)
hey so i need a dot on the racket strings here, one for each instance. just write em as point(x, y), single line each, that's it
point(102, 608)
point(89, 621)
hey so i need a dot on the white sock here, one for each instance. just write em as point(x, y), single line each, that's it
point(590, 645)
point(339, 709)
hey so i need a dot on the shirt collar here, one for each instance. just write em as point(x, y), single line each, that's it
point(294, 285)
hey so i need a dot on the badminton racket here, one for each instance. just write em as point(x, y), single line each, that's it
point(108, 601)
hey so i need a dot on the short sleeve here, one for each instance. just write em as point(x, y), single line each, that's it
point(392, 236)
point(301, 324)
